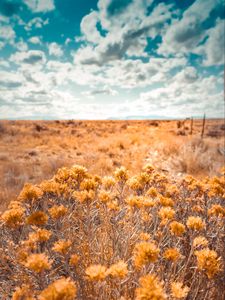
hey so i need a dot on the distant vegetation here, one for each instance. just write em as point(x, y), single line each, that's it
point(31, 151)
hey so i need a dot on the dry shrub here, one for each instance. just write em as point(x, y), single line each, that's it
point(53, 164)
point(2, 129)
point(4, 157)
point(114, 237)
point(195, 157)
point(39, 127)
point(154, 123)
point(14, 175)
point(103, 148)
point(181, 132)
point(214, 133)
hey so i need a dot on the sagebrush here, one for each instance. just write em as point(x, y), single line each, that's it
point(82, 236)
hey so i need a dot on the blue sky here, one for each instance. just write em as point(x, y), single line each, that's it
point(88, 59)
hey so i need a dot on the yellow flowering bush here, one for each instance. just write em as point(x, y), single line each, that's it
point(145, 237)
point(62, 246)
point(13, 217)
point(150, 288)
point(96, 272)
point(37, 218)
point(145, 252)
point(195, 223)
point(37, 262)
point(208, 261)
point(63, 288)
point(178, 290)
point(118, 269)
point(177, 228)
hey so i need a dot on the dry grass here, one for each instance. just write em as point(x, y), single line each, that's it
point(31, 151)
point(117, 231)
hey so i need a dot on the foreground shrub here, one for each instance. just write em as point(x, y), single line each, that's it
point(120, 237)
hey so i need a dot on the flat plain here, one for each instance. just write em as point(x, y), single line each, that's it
point(31, 151)
point(112, 210)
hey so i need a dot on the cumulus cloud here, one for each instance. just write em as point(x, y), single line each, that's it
point(36, 23)
point(38, 91)
point(55, 104)
point(116, 13)
point(214, 46)
point(9, 80)
point(186, 94)
point(2, 44)
point(185, 34)
point(35, 40)
point(187, 75)
point(30, 57)
point(101, 91)
point(127, 73)
point(55, 49)
point(7, 33)
point(125, 33)
point(40, 5)
point(89, 29)
point(4, 64)
point(21, 45)
point(9, 8)
point(132, 53)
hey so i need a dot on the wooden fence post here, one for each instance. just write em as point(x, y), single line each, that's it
point(203, 126)
point(191, 125)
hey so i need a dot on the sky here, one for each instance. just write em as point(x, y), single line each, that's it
point(111, 59)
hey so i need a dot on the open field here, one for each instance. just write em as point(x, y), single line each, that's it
point(31, 151)
point(128, 224)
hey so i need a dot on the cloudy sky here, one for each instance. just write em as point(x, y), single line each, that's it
point(89, 59)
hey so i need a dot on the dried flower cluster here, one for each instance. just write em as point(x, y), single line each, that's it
point(146, 237)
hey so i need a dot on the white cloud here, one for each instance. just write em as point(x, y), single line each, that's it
point(40, 5)
point(201, 9)
point(7, 33)
point(68, 40)
point(127, 73)
point(184, 95)
point(187, 75)
point(214, 46)
point(36, 23)
point(55, 49)
point(111, 65)
point(2, 44)
point(55, 65)
point(9, 80)
point(100, 91)
point(21, 45)
point(126, 32)
point(124, 12)
point(31, 57)
point(4, 63)
point(4, 19)
point(41, 91)
point(184, 35)
point(35, 40)
point(89, 29)
point(39, 102)
point(56, 104)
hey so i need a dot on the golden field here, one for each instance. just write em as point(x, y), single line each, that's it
point(112, 210)
point(31, 151)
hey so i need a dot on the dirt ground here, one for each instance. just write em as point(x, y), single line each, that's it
point(31, 151)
